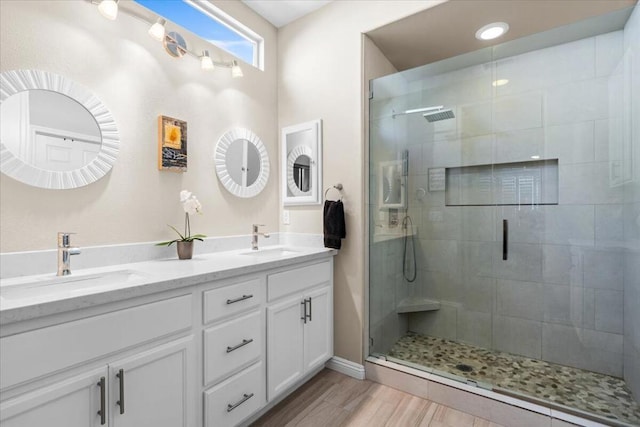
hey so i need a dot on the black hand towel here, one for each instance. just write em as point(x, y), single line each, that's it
point(334, 227)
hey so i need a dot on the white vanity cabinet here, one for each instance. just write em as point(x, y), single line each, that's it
point(152, 388)
point(148, 387)
point(73, 402)
point(299, 324)
point(234, 351)
point(211, 353)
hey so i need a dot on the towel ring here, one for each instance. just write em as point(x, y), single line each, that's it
point(338, 187)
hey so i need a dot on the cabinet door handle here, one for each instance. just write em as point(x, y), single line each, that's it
point(309, 299)
point(102, 412)
point(245, 397)
point(242, 344)
point(304, 316)
point(242, 298)
point(120, 376)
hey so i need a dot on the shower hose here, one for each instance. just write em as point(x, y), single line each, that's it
point(406, 223)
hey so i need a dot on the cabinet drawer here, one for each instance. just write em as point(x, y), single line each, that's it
point(36, 353)
point(232, 299)
point(235, 399)
point(232, 345)
point(287, 282)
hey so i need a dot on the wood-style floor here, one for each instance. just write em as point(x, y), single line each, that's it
point(333, 399)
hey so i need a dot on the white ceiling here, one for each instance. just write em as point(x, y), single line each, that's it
point(282, 12)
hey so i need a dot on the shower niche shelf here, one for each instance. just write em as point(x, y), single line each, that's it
point(416, 304)
point(533, 182)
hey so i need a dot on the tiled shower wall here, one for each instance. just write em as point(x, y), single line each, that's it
point(559, 297)
point(631, 213)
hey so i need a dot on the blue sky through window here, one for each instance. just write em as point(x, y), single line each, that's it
point(204, 26)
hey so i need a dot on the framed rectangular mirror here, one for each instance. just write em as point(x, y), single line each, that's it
point(301, 163)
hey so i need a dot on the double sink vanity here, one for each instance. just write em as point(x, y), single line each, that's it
point(211, 341)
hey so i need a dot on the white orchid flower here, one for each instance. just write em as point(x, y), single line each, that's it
point(192, 206)
point(185, 195)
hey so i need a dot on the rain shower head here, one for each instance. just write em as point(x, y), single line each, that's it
point(436, 116)
point(432, 114)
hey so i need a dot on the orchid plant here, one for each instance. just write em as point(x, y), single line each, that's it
point(192, 206)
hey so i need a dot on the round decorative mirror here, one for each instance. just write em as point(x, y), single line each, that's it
point(242, 163)
point(299, 171)
point(55, 133)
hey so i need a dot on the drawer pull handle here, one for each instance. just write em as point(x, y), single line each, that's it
point(304, 316)
point(102, 412)
point(309, 299)
point(120, 376)
point(242, 298)
point(242, 344)
point(245, 397)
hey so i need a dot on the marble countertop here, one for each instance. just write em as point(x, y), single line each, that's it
point(29, 297)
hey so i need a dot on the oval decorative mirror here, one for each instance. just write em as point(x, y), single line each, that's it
point(55, 133)
point(242, 162)
point(302, 163)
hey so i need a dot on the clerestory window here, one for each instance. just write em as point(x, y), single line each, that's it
point(213, 25)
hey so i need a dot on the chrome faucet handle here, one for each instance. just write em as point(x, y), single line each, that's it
point(64, 239)
point(64, 253)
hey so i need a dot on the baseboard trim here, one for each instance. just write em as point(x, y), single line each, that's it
point(347, 367)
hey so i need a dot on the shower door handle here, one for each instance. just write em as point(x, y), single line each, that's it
point(505, 239)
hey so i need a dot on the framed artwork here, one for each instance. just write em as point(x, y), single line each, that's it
point(172, 144)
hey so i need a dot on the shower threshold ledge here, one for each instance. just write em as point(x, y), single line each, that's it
point(476, 400)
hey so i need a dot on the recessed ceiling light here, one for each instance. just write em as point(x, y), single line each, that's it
point(500, 82)
point(492, 31)
point(535, 157)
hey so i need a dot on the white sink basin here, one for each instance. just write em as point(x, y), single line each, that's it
point(66, 286)
point(271, 252)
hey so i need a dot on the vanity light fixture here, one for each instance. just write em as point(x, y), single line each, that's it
point(157, 30)
point(109, 9)
point(492, 31)
point(205, 61)
point(175, 45)
point(236, 71)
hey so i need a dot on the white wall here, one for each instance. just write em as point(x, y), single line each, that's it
point(137, 81)
point(320, 75)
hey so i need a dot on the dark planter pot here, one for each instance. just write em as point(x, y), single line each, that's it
point(185, 250)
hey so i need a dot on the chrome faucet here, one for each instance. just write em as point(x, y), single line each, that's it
point(64, 253)
point(255, 234)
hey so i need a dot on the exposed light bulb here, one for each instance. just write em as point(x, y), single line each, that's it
point(109, 9)
point(236, 71)
point(157, 30)
point(205, 61)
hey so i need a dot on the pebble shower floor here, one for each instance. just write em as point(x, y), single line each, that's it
point(599, 394)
